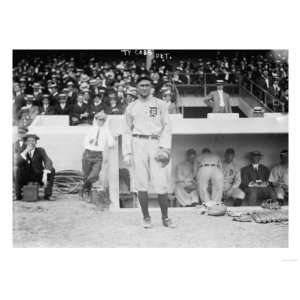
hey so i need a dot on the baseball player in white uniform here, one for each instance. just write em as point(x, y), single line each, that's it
point(208, 169)
point(279, 177)
point(232, 179)
point(147, 129)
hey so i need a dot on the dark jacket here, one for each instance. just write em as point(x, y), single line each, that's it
point(77, 110)
point(38, 162)
point(117, 110)
point(17, 148)
point(54, 99)
point(59, 111)
point(248, 174)
point(94, 109)
point(213, 100)
point(48, 111)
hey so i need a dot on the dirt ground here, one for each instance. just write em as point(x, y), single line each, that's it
point(69, 222)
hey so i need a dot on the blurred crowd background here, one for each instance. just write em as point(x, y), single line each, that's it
point(81, 83)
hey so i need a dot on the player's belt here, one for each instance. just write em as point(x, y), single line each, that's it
point(143, 136)
point(208, 165)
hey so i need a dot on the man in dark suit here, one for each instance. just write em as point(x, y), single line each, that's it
point(80, 111)
point(33, 165)
point(54, 96)
point(37, 94)
point(19, 145)
point(96, 107)
point(72, 93)
point(46, 108)
point(19, 98)
point(218, 100)
point(62, 108)
point(255, 181)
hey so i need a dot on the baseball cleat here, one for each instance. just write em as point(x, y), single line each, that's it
point(147, 223)
point(168, 223)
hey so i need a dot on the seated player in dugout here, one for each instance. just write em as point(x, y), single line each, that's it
point(185, 183)
point(279, 178)
point(255, 181)
point(208, 170)
point(232, 180)
point(33, 165)
point(218, 100)
point(96, 141)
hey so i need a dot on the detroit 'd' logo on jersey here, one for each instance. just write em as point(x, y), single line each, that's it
point(152, 111)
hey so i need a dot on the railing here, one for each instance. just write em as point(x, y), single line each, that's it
point(265, 98)
point(237, 85)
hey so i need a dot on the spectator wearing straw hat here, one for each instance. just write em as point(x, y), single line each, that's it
point(96, 106)
point(72, 93)
point(19, 97)
point(62, 108)
point(113, 108)
point(54, 95)
point(28, 112)
point(218, 100)
point(46, 108)
point(37, 93)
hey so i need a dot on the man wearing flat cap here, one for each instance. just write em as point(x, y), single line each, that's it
point(33, 165)
point(255, 181)
point(147, 131)
point(218, 100)
point(279, 178)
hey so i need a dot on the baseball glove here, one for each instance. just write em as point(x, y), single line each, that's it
point(218, 209)
point(163, 156)
point(190, 187)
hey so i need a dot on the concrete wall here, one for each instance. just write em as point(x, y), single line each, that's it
point(64, 144)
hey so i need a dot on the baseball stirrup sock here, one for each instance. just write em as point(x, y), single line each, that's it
point(163, 203)
point(143, 199)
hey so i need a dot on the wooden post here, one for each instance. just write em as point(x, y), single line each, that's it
point(113, 176)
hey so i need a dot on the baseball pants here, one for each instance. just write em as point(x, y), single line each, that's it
point(146, 169)
point(215, 175)
point(183, 197)
point(91, 167)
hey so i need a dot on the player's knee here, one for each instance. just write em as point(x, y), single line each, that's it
point(238, 194)
point(279, 193)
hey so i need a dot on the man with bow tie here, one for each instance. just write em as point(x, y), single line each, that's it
point(33, 165)
point(255, 181)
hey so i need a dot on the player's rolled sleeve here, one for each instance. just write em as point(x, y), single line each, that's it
point(166, 133)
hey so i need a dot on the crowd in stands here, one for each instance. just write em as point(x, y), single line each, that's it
point(62, 86)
